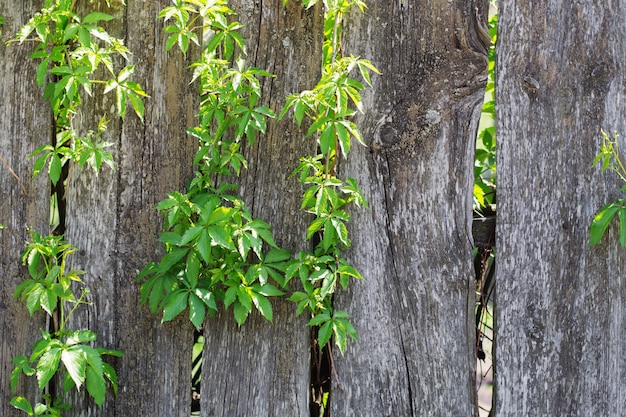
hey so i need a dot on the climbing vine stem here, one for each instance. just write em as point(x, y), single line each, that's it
point(329, 106)
point(71, 49)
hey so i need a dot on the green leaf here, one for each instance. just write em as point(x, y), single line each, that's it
point(197, 310)
point(268, 290)
point(344, 138)
point(75, 364)
point(207, 298)
point(111, 375)
point(172, 258)
point(23, 404)
point(220, 237)
point(175, 303)
point(315, 226)
point(277, 255)
point(204, 246)
point(241, 313)
point(220, 215)
point(55, 168)
point(244, 297)
point(191, 234)
point(601, 222)
point(48, 365)
point(170, 238)
point(264, 306)
point(22, 365)
point(319, 319)
point(622, 225)
point(341, 337)
point(192, 271)
point(95, 17)
point(327, 139)
point(96, 385)
point(324, 334)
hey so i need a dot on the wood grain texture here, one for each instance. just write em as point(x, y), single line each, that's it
point(414, 311)
point(24, 126)
point(262, 369)
point(113, 221)
point(561, 315)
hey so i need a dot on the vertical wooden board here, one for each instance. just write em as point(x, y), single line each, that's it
point(262, 369)
point(113, 220)
point(24, 126)
point(560, 315)
point(414, 310)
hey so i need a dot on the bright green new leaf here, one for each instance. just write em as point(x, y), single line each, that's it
point(23, 404)
point(601, 222)
point(95, 17)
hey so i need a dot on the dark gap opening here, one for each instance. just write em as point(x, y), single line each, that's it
point(484, 226)
point(196, 370)
point(58, 204)
point(321, 369)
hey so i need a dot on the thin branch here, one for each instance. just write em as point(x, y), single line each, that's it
point(6, 164)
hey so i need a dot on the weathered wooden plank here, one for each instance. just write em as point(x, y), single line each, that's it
point(262, 369)
point(24, 126)
point(561, 316)
point(113, 221)
point(414, 311)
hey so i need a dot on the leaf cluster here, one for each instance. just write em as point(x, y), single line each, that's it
point(71, 357)
point(71, 50)
point(63, 352)
point(215, 250)
point(329, 107)
point(49, 284)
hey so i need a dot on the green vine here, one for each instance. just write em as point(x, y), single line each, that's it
point(329, 108)
point(71, 50)
point(49, 290)
point(215, 250)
